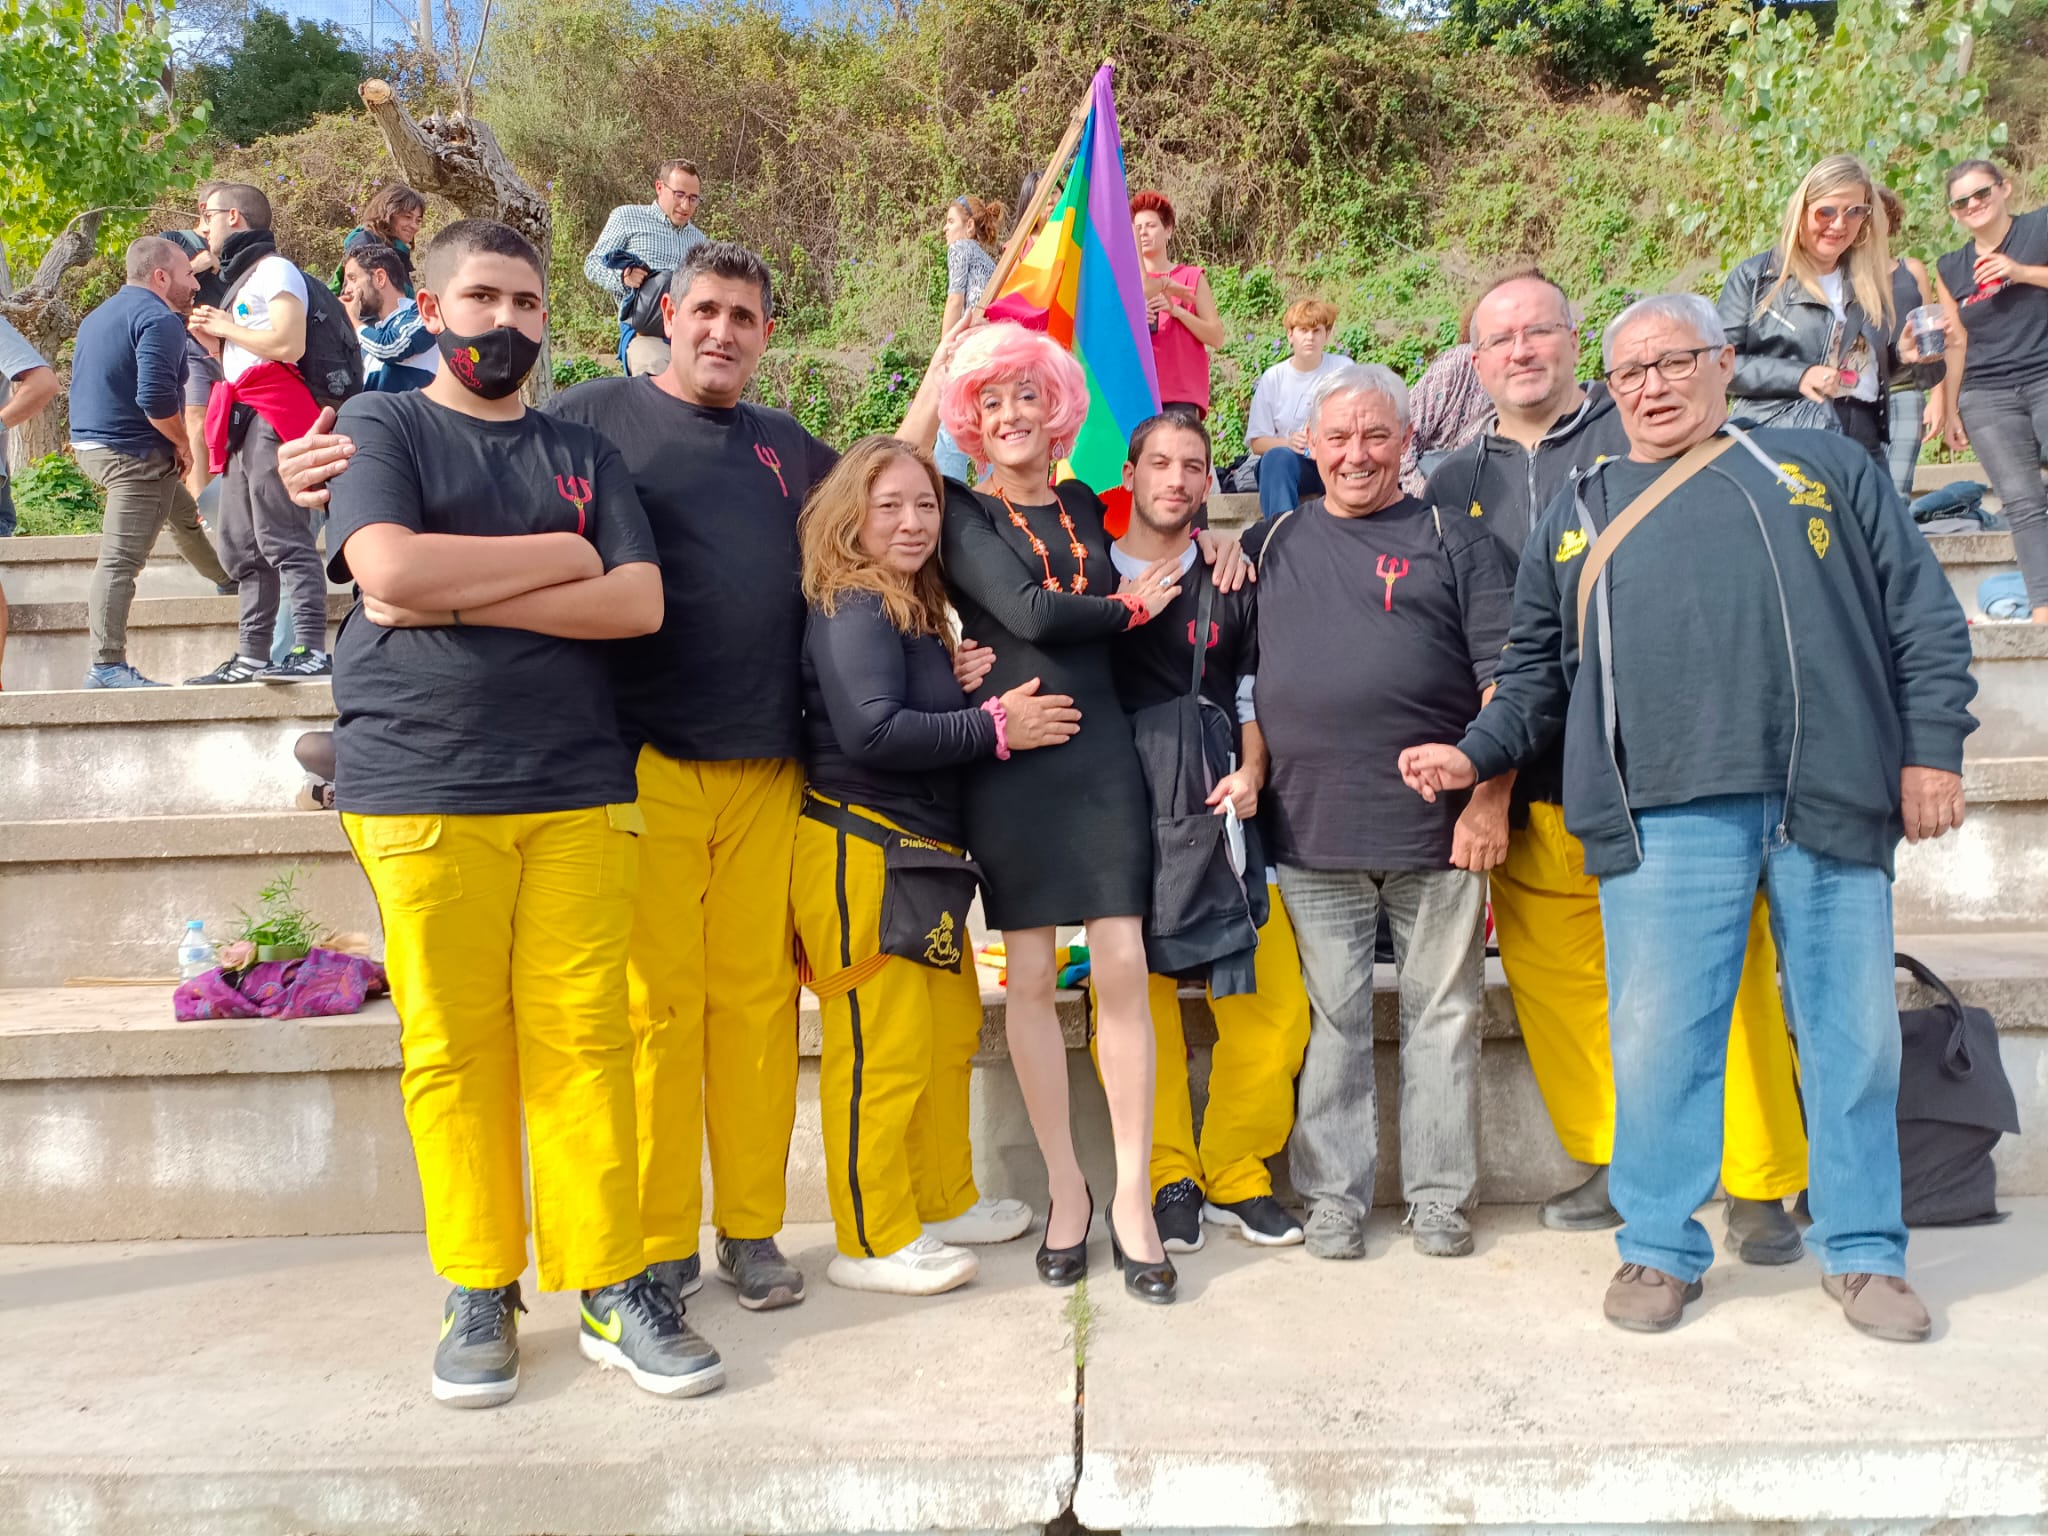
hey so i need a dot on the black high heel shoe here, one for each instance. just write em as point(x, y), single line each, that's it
point(1155, 1283)
point(1063, 1267)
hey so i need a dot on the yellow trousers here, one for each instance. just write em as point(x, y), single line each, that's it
point(505, 940)
point(1546, 915)
point(1260, 1038)
point(714, 996)
point(898, 1057)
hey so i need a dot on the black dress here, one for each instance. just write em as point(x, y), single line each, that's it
point(1064, 832)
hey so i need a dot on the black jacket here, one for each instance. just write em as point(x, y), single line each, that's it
point(1878, 648)
point(1774, 349)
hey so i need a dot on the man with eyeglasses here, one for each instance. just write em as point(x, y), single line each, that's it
point(1762, 680)
point(1548, 430)
point(643, 243)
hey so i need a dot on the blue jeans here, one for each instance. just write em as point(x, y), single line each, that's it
point(952, 461)
point(1677, 929)
point(1285, 477)
point(2008, 426)
point(1908, 416)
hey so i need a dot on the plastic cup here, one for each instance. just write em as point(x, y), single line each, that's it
point(1928, 329)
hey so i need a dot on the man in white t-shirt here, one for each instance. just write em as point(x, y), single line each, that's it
point(1276, 427)
point(266, 543)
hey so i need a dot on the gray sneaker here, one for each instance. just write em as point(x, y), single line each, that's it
point(637, 1327)
point(683, 1277)
point(1334, 1233)
point(117, 674)
point(476, 1364)
point(1441, 1229)
point(755, 1267)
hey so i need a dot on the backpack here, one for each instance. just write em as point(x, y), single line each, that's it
point(332, 364)
point(1954, 1103)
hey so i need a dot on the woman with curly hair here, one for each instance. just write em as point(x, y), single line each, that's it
point(880, 872)
point(392, 217)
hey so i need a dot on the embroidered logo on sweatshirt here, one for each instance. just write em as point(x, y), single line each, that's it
point(1477, 510)
point(940, 947)
point(1811, 492)
point(1572, 545)
point(1817, 536)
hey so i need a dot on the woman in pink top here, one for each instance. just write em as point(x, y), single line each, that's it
point(1184, 321)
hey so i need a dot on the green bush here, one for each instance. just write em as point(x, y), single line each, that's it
point(575, 368)
point(53, 496)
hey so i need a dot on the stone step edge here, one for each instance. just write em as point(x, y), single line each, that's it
point(116, 707)
point(149, 613)
point(129, 1032)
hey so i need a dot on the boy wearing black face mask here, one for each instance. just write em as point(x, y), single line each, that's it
point(486, 789)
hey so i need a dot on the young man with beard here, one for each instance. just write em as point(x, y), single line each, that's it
point(485, 786)
point(1549, 430)
point(398, 349)
point(1260, 1035)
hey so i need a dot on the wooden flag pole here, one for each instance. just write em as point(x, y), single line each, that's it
point(1042, 196)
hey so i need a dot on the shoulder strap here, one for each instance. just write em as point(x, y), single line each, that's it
point(1273, 533)
point(1204, 606)
point(1696, 458)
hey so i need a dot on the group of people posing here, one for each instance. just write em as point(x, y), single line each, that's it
point(653, 709)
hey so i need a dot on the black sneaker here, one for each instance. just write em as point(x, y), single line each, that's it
point(1177, 1210)
point(476, 1364)
point(755, 1267)
point(1261, 1220)
point(300, 665)
point(637, 1327)
point(233, 670)
point(683, 1277)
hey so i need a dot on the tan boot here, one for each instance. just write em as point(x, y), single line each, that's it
point(1882, 1306)
point(1648, 1300)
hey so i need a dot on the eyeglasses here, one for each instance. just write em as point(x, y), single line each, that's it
point(1828, 214)
point(1547, 331)
point(687, 194)
point(1672, 367)
point(1971, 199)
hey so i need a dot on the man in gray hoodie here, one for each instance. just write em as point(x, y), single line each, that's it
point(1765, 685)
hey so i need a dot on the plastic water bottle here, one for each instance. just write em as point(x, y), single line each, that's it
point(195, 952)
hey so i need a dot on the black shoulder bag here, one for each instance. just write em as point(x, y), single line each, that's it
point(1954, 1104)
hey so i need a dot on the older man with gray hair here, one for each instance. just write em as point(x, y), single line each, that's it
point(1765, 686)
point(1379, 624)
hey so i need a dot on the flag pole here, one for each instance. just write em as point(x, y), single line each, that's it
point(1042, 196)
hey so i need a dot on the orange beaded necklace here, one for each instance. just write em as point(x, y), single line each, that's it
point(1074, 547)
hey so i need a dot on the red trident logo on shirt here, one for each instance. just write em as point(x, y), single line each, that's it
point(576, 491)
point(1391, 570)
point(769, 457)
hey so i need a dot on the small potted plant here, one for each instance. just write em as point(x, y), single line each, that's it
point(279, 929)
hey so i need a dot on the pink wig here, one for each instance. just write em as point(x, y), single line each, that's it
point(1008, 353)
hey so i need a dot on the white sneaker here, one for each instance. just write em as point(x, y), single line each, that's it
point(985, 1221)
point(925, 1268)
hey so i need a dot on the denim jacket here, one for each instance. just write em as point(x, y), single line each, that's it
point(1774, 349)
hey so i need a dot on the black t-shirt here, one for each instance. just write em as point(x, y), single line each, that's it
point(722, 678)
point(1716, 638)
point(1374, 634)
point(2007, 330)
point(1154, 662)
point(471, 719)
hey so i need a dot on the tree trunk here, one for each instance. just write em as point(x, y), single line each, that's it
point(39, 311)
point(458, 158)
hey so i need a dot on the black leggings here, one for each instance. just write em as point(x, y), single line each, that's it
point(1864, 420)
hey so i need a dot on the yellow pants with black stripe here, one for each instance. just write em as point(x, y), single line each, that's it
point(505, 940)
point(714, 996)
point(1260, 1038)
point(1546, 915)
point(898, 1057)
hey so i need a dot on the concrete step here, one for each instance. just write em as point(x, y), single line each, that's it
point(109, 897)
point(272, 1387)
point(58, 569)
point(169, 639)
point(2010, 662)
point(1968, 559)
point(155, 751)
point(117, 1122)
point(1992, 872)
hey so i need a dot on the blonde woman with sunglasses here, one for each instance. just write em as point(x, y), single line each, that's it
point(1811, 318)
point(1994, 292)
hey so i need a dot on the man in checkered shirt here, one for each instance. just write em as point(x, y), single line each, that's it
point(659, 233)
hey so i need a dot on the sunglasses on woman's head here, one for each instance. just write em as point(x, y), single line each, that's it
point(1968, 199)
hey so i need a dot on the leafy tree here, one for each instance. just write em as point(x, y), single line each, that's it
point(84, 118)
point(1583, 42)
point(280, 76)
point(1887, 82)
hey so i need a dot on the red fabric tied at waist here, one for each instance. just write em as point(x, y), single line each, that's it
point(274, 391)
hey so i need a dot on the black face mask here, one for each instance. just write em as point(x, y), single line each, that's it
point(491, 363)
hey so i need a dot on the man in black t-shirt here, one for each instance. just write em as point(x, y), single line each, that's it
point(1374, 616)
point(485, 787)
point(712, 706)
point(1260, 1035)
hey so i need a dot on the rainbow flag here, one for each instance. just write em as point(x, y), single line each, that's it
point(1080, 283)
